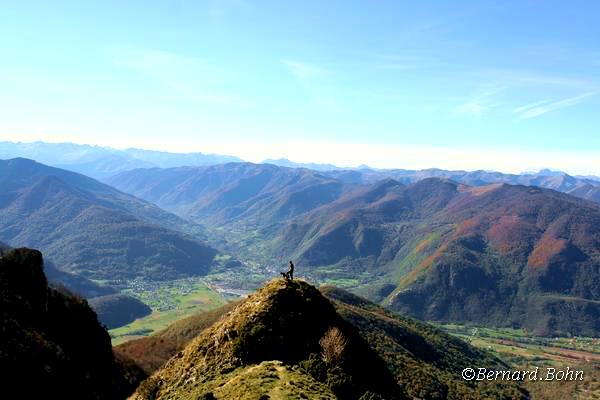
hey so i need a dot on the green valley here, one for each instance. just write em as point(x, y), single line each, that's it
point(170, 301)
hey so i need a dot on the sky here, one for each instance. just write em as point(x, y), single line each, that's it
point(510, 86)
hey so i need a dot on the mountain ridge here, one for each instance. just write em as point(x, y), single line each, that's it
point(92, 229)
point(386, 236)
point(535, 248)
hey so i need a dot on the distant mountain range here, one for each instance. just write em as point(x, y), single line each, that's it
point(583, 187)
point(92, 229)
point(236, 191)
point(442, 250)
point(284, 162)
point(104, 162)
point(100, 162)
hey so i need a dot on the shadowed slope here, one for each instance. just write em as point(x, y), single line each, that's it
point(425, 361)
point(116, 310)
point(51, 344)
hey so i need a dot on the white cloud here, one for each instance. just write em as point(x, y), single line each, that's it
point(521, 78)
point(541, 108)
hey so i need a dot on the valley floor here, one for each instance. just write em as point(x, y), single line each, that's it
point(170, 301)
point(524, 351)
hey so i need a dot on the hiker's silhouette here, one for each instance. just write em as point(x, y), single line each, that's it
point(289, 275)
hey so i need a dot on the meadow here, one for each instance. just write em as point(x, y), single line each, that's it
point(170, 301)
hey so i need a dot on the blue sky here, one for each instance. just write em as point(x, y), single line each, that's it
point(511, 85)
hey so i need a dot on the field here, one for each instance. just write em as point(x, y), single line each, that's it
point(170, 301)
point(523, 351)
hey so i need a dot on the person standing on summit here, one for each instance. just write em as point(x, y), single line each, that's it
point(289, 275)
point(291, 271)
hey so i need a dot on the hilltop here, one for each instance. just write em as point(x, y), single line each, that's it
point(280, 322)
point(268, 344)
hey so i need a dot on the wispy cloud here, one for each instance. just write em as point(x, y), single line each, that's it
point(524, 108)
point(474, 107)
point(519, 78)
point(304, 70)
point(542, 107)
point(479, 103)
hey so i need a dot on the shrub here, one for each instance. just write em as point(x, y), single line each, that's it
point(368, 395)
point(341, 384)
point(315, 366)
point(332, 344)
